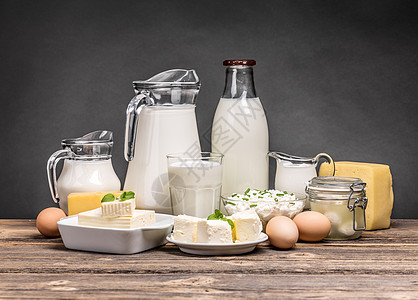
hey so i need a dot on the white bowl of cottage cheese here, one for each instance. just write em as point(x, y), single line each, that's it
point(267, 204)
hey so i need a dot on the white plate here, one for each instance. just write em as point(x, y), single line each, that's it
point(218, 249)
point(114, 240)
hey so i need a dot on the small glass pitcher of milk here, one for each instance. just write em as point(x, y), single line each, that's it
point(87, 167)
point(293, 172)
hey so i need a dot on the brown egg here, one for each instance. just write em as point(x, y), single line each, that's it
point(282, 232)
point(313, 226)
point(47, 219)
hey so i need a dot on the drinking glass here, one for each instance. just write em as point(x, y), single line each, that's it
point(195, 183)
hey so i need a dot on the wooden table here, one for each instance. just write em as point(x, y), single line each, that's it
point(381, 264)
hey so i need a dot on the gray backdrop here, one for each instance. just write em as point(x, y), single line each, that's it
point(334, 76)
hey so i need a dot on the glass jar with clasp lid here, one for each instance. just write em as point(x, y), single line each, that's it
point(343, 201)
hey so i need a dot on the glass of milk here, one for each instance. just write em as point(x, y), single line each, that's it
point(195, 182)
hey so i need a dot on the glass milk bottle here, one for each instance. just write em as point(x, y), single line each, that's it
point(87, 167)
point(240, 131)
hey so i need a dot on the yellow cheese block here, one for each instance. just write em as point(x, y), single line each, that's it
point(79, 202)
point(379, 189)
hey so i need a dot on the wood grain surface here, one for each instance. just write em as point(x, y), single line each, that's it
point(381, 264)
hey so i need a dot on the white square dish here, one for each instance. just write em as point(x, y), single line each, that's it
point(114, 240)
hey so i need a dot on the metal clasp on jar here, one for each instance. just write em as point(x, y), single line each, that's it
point(361, 202)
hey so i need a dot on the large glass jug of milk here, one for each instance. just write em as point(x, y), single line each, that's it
point(160, 120)
point(240, 131)
point(87, 167)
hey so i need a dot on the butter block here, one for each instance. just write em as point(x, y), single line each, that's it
point(213, 232)
point(118, 208)
point(79, 202)
point(379, 189)
point(185, 228)
point(140, 218)
point(247, 226)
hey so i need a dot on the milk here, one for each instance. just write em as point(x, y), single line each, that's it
point(85, 176)
point(195, 187)
point(240, 132)
point(161, 130)
point(293, 177)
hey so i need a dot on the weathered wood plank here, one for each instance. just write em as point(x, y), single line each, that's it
point(209, 286)
point(32, 266)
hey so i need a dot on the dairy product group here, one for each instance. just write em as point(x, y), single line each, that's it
point(161, 125)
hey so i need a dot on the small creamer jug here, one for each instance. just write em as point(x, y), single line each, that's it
point(87, 167)
point(293, 172)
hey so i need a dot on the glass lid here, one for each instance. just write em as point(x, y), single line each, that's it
point(96, 143)
point(172, 78)
point(292, 158)
point(335, 183)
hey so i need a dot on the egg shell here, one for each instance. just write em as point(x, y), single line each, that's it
point(47, 219)
point(282, 232)
point(313, 226)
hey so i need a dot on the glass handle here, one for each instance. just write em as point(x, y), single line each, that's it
point(328, 159)
point(132, 116)
point(273, 154)
point(51, 169)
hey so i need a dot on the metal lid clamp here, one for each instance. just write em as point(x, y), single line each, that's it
point(361, 202)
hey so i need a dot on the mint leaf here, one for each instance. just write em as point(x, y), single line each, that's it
point(229, 222)
point(216, 216)
point(219, 216)
point(212, 217)
point(218, 213)
point(108, 198)
point(126, 196)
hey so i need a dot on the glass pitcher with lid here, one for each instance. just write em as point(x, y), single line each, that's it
point(160, 119)
point(87, 167)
